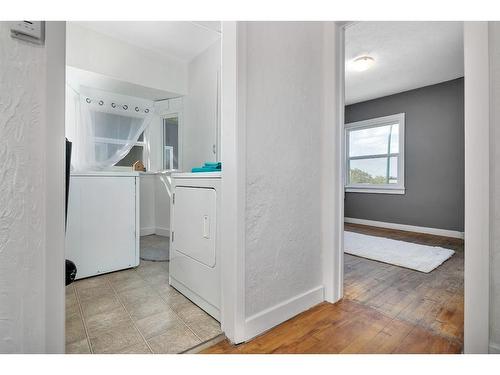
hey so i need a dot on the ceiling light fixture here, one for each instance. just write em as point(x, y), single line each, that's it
point(362, 63)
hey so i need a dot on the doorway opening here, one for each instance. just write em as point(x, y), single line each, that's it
point(142, 114)
point(404, 182)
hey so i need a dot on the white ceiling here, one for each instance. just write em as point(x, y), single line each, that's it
point(407, 55)
point(178, 39)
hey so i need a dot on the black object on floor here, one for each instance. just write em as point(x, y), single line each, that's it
point(70, 266)
point(70, 272)
point(68, 171)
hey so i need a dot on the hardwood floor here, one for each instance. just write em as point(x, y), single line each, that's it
point(386, 309)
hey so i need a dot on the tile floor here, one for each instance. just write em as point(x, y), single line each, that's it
point(133, 311)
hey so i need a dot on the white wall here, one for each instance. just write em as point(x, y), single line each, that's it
point(162, 206)
point(155, 205)
point(147, 204)
point(98, 53)
point(198, 133)
point(283, 265)
point(26, 288)
point(494, 43)
point(200, 111)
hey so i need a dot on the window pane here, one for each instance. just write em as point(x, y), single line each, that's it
point(171, 143)
point(109, 125)
point(373, 141)
point(368, 171)
point(393, 175)
point(395, 139)
point(134, 155)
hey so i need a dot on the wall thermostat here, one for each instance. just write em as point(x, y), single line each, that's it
point(30, 31)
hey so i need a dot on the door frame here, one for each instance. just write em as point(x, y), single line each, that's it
point(477, 187)
point(55, 164)
point(332, 171)
point(233, 157)
point(477, 179)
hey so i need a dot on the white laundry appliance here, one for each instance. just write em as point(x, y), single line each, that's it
point(103, 222)
point(195, 238)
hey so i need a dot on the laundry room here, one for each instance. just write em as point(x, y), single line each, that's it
point(143, 130)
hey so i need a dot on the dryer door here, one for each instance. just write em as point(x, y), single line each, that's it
point(194, 223)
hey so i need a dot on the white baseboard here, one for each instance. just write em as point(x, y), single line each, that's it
point(152, 230)
point(494, 348)
point(409, 228)
point(162, 231)
point(147, 231)
point(269, 318)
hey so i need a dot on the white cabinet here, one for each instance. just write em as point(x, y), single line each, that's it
point(103, 222)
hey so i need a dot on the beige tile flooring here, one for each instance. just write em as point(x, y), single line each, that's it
point(133, 311)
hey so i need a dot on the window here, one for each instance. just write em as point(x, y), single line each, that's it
point(171, 142)
point(375, 155)
point(111, 133)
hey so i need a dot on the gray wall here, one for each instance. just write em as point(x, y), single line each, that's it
point(434, 160)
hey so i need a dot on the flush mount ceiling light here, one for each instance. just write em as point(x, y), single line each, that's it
point(362, 63)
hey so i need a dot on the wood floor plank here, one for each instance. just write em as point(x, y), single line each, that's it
point(421, 341)
point(388, 339)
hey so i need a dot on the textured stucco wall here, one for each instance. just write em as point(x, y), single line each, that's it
point(494, 32)
point(283, 127)
point(22, 210)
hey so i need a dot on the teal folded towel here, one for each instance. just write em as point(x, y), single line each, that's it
point(213, 165)
point(208, 167)
point(203, 169)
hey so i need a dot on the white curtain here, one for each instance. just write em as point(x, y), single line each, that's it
point(103, 126)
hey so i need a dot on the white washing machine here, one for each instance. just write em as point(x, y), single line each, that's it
point(194, 239)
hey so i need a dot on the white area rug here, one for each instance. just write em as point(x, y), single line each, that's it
point(400, 253)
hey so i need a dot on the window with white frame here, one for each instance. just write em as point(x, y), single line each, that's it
point(171, 142)
point(375, 155)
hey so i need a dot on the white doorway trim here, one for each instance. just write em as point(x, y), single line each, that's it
point(332, 172)
point(54, 268)
point(477, 179)
point(233, 153)
point(477, 187)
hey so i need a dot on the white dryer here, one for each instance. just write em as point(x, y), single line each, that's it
point(195, 239)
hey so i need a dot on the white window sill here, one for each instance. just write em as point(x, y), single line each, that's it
point(374, 190)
